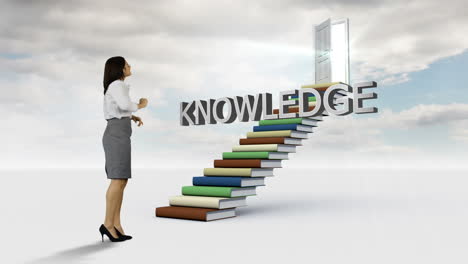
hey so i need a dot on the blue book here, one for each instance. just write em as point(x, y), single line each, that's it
point(297, 127)
point(297, 96)
point(275, 127)
point(228, 181)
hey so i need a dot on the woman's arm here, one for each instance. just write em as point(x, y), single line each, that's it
point(121, 96)
point(137, 119)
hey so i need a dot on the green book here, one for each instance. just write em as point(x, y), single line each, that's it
point(246, 155)
point(280, 121)
point(255, 155)
point(218, 191)
point(311, 99)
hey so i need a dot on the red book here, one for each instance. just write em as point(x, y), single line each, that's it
point(271, 140)
point(265, 140)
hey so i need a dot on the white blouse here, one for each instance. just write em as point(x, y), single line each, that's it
point(117, 102)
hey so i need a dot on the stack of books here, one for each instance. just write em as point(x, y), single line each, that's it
point(222, 189)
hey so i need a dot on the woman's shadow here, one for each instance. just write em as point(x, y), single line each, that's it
point(75, 255)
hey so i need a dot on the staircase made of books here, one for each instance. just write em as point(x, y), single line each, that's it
point(225, 187)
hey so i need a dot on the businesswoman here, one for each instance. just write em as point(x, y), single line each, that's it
point(118, 110)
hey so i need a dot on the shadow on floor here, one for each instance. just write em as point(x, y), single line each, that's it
point(319, 204)
point(75, 255)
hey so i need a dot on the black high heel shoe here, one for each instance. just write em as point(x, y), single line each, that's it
point(103, 230)
point(121, 235)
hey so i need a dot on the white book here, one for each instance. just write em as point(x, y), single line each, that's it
point(225, 213)
point(309, 122)
point(285, 148)
point(304, 128)
point(293, 141)
point(270, 163)
point(245, 191)
point(261, 172)
point(278, 155)
point(247, 181)
point(298, 134)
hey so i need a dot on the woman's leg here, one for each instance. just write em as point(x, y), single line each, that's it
point(112, 200)
point(117, 222)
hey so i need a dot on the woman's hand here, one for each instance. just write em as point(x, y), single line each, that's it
point(143, 103)
point(137, 119)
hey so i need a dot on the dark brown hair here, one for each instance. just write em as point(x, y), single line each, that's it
point(113, 70)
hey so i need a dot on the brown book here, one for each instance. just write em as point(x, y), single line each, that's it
point(265, 140)
point(238, 163)
point(194, 213)
point(247, 163)
point(322, 89)
point(293, 110)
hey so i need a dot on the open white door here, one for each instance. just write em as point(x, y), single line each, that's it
point(332, 51)
point(322, 52)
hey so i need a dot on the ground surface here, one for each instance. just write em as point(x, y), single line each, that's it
point(324, 216)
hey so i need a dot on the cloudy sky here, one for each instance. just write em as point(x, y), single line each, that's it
point(52, 56)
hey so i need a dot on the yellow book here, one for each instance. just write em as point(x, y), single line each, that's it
point(207, 201)
point(320, 85)
point(277, 133)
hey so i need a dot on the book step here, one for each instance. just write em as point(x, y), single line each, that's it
point(246, 163)
point(207, 201)
point(194, 213)
point(242, 172)
point(300, 120)
point(255, 155)
point(322, 87)
point(228, 181)
point(296, 127)
point(271, 140)
point(310, 99)
point(264, 147)
point(214, 196)
point(278, 133)
point(219, 191)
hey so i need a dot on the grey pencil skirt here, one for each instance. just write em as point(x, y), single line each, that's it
point(117, 148)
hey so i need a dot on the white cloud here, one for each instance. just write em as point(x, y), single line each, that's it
point(424, 115)
point(459, 131)
point(361, 142)
point(185, 33)
point(347, 140)
point(203, 49)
